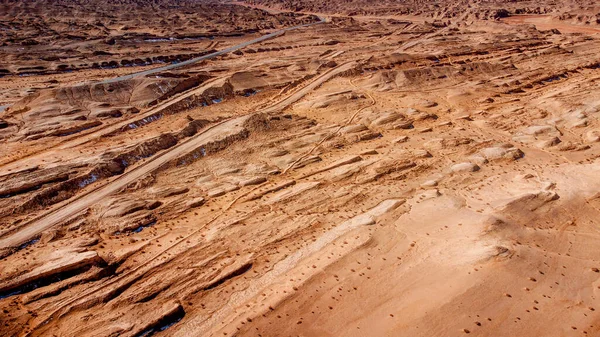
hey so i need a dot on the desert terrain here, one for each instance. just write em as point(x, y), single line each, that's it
point(299, 168)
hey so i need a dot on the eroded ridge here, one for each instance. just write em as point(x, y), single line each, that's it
point(316, 169)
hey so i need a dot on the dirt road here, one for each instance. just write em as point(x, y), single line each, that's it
point(218, 131)
point(209, 56)
point(545, 22)
point(33, 159)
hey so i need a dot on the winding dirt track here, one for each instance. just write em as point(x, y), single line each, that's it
point(218, 131)
point(212, 55)
point(545, 22)
point(32, 159)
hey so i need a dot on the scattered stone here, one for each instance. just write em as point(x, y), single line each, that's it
point(369, 153)
point(464, 167)
point(354, 128)
point(429, 183)
point(548, 143)
point(592, 136)
point(196, 202)
point(580, 124)
point(478, 159)
point(217, 192)
point(538, 130)
point(504, 151)
point(403, 125)
point(253, 181)
point(422, 154)
point(428, 104)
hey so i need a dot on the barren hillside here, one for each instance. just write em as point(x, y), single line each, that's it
point(306, 168)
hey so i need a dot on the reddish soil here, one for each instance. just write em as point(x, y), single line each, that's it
point(400, 169)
